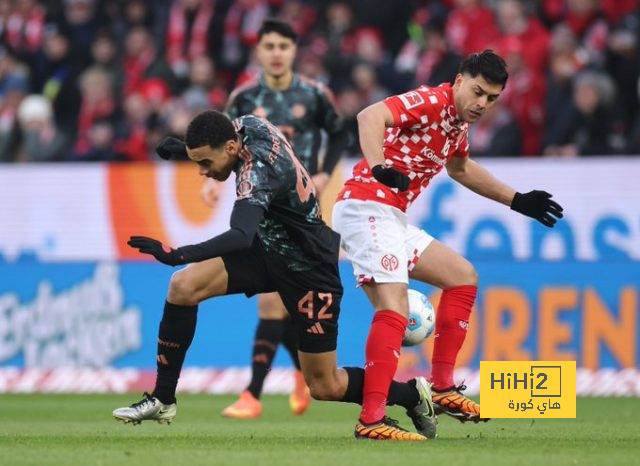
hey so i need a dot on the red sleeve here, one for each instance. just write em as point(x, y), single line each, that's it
point(414, 107)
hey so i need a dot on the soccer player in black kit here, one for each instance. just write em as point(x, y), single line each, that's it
point(277, 242)
point(301, 109)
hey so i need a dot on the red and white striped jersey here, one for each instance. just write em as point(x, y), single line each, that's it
point(426, 133)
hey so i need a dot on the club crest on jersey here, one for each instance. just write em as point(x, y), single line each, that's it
point(298, 110)
point(244, 189)
point(411, 99)
point(389, 262)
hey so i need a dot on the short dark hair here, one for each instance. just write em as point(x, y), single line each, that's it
point(488, 64)
point(279, 27)
point(210, 128)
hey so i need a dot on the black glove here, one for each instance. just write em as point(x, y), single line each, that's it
point(391, 177)
point(538, 205)
point(171, 147)
point(162, 253)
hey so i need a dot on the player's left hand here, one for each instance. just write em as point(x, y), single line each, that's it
point(162, 253)
point(171, 147)
point(538, 205)
point(320, 180)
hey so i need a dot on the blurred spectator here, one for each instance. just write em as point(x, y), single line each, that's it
point(187, 33)
point(13, 87)
point(55, 76)
point(181, 56)
point(97, 103)
point(366, 82)
point(80, 22)
point(299, 15)
point(471, 27)
point(6, 7)
point(633, 140)
point(41, 140)
point(564, 63)
point(141, 62)
point(349, 103)
point(13, 74)
point(524, 95)
point(104, 55)
point(202, 76)
point(515, 23)
point(241, 26)
point(615, 10)
point(586, 22)
point(100, 142)
point(339, 35)
point(427, 59)
point(369, 49)
point(623, 64)
point(495, 134)
point(587, 128)
point(386, 16)
point(137, 13)
point(131, 132)
point(311, 65)
point(24, 28)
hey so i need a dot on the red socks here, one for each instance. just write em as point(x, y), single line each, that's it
point(452, 321)
point(382, 353)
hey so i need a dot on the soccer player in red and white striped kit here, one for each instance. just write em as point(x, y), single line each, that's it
point(406, 140)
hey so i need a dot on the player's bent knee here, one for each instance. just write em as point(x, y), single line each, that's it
point(324, 388)
point(270, 306)
point(471, 276)
point(466, 274)
point(182, 290)
point(321, 390)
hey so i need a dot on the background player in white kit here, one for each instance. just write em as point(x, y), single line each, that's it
point(421, 131)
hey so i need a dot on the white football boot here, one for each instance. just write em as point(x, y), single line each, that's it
point(148, 409)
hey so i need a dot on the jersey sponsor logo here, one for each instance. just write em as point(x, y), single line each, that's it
point(389, 262)
point(431, 155)
point(411, 99)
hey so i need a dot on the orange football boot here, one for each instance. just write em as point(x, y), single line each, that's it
point(300, 397)
point(452, 402)
point(246, 407)
point(386, 429)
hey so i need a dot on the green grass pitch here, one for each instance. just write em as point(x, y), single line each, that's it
point(79, 429)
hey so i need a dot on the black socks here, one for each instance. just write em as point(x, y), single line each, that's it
point(268, 336)
point(177, 327)
point(400, 393)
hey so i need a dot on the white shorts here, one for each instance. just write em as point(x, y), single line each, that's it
point(378, 241)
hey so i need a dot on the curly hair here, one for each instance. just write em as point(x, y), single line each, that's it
point(210, 128)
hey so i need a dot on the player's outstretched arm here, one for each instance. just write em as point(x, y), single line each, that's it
point(245, 218)
point(535, 204)
point(372, 122)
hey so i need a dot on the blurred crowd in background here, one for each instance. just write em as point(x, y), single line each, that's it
point(105, 80)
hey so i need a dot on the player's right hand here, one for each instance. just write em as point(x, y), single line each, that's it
point(162, 253)
point(171, 147)
point(391, 177)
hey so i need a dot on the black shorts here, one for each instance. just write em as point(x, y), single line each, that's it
point(311, 297)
